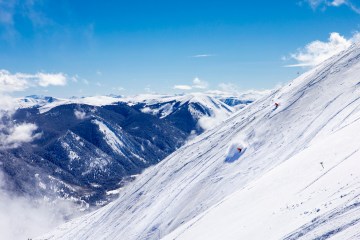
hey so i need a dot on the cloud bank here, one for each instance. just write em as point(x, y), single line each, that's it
point(12, 136)
point(182, 87)
point(46, 79)
point(13, 82)
point(22, 218)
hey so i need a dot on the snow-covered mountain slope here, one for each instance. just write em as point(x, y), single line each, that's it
point(239, 100)
point(191, 112)
point(46, 103)
point(93, 144)
point(313, 195)
point(88, 150)
point(36, 101)
point(277, 183)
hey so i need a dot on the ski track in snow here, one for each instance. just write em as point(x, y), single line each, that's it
point(276, 189)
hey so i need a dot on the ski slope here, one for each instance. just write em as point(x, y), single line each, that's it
point(276, 188)
point(286, 200)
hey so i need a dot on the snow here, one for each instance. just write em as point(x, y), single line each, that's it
point(287, 197)
point(114, 140)
point(215, 110)
point(93, 101)
point(232, 152)
point(42, 185)
point(71, 154)
point(208, 109)
point(156, 104)
point(110, 137)
point(276, 189)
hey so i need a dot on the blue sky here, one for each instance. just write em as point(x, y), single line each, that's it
point(130, 47)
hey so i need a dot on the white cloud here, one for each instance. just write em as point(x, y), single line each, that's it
point(337, 3)
point(7, 105)
point(183, 87)
point(317, 51)
point(207, 123)
point(10, 82)
point(46, 79)
point(14, 136)
point(202, 55)
point(75, 78)
point(197, 83)
point(79, 114)
point(333, 3)
point(24, 218)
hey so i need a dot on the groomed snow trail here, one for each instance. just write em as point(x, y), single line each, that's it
point(274, 189)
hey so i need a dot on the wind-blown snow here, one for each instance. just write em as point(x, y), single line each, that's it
point(232, 152)
point(296, 178)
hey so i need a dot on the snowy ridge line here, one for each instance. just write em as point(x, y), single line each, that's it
point(47, 103)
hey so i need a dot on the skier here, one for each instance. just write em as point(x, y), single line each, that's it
point(322, 164)
point(239, 149)
point(276, 105)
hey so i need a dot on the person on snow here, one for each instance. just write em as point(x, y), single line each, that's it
point(239, 149)
point(276, 105)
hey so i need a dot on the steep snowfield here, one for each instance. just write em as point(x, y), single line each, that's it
point(299, 197)
point(296, 176)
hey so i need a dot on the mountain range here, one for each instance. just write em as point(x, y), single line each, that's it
point(90, 147)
